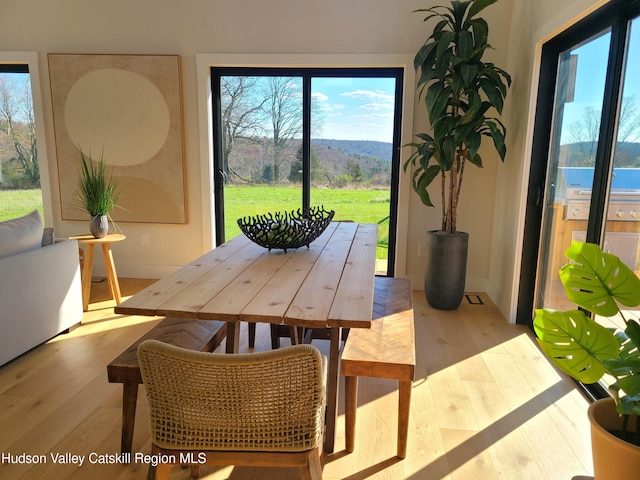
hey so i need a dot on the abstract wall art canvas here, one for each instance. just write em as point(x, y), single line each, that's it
point(127, 108)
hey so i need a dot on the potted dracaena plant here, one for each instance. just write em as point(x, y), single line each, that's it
point(97, 192)
point(462, 94)
point(599, 282)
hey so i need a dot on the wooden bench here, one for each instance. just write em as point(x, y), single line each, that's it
point(387, 350)
point(200, 335)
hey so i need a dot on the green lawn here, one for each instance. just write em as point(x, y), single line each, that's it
point(365, 206)
point(15, 203)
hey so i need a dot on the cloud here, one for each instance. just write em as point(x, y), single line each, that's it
point(373, 115)
point(321, 97)
point(378, 95)
point(377, 106)
point(332, 107)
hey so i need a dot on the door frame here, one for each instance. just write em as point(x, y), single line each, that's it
point(612, 15)
point(30, 59)
point(204, 62)
point(615, 16)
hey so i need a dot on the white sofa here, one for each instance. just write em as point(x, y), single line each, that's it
point(40, 291)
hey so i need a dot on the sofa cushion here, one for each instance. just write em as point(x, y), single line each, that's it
point(20, 234)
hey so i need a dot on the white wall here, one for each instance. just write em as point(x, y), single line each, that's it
point(190, 28)
point(491, 202)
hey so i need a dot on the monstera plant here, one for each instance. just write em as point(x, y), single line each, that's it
point(597, 282)
point(600, 283)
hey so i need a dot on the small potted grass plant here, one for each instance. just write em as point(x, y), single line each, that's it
point(600, 283)
point(97, 192)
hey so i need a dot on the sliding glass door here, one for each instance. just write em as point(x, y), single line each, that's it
point(289, 139)
point(585, 170)
point(571, 162)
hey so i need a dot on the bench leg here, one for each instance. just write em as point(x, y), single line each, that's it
point(296, 335)
point(404, 404)
point(129, 401)
point(275, 338)
point(233, 337)
point(351, 405)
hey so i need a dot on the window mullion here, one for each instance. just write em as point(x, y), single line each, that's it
point(607, 134)
point(306, 142)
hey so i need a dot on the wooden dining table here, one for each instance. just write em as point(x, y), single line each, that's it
point(328, 285)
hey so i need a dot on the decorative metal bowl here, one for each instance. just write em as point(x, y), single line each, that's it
point(285, 230)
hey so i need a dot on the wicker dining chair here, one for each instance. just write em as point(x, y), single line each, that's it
point(253, 409)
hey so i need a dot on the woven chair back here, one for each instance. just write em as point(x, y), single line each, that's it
point(270, 401)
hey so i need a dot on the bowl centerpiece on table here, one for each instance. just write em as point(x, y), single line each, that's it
point(285, 230)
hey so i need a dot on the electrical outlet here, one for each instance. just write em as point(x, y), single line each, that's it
point(144, 239)
point(421, 250)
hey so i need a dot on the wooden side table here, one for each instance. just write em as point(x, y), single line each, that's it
point(112, 278)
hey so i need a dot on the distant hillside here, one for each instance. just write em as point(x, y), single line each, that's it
point(335, 162)
point(582, 154)
point(365, 148)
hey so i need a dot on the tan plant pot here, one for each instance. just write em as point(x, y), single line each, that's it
point(613, 458)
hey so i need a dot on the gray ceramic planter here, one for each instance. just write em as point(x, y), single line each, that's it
point(446, 271)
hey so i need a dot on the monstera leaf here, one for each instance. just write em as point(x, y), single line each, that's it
point(597, 280)
point(626, 369)
point(575, 343)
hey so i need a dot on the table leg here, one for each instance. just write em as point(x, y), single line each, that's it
point(233, 337)
point(112, 276)
point(87, 271)
point(333, 377)
point(251, 327)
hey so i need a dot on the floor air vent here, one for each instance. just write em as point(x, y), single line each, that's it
point(473, 299)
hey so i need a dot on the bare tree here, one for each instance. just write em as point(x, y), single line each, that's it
point(242, 114)
point(629, 121)
point(586, 131)
point(626, 153)
point(18, 124)
point(265, 111)
point(284, 107)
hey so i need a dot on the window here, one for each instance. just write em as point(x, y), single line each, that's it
point(25, 65)
point(20, 187)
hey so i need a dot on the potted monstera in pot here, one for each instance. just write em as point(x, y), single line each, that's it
point(462, 93)
point(97, 192)
point(588, 351)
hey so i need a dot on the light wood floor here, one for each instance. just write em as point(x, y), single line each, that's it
point(486, 405)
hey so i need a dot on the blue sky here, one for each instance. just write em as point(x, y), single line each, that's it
point(355, 108)
point(350, 108)
point(590, 77)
